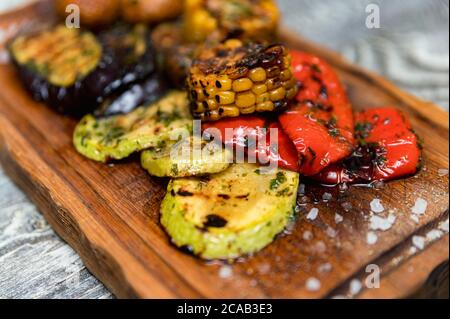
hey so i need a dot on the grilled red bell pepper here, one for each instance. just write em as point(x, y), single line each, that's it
point(248, 128)
point(320, 123)
point(388, 149)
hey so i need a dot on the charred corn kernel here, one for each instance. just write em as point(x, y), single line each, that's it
point(242, 85)
point(273, 84)
point(263, 98)
point(245, 100)
point(225, 98)
point(236, 78)
point(259, 89)
point(215, 20)
point(278, 94)
point(258, 75)
point(265, 106)
point(224, 83)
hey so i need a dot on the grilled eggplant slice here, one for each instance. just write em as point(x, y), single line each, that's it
point(190, 156)
point(119, 136)
point(74, 71)
point(230, 214)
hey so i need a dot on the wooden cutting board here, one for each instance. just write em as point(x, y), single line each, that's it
point(109, 214)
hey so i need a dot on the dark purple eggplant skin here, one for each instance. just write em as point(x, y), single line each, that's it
point(137, 94)
point(114, 73)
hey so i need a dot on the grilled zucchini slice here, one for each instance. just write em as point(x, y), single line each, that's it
point(119, 136)
point(191, 156)
point(230, 214)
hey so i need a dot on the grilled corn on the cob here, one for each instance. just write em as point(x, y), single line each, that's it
point(221, 19)
point(233, 79)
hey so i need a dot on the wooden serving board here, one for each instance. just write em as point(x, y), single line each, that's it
point(109, 214)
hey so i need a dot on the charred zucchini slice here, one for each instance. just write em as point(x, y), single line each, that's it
point(230, 214)
point(74, 71)
point(117, 137)
point(190, 156)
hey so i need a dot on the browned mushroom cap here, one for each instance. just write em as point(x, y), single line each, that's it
point(150, 11)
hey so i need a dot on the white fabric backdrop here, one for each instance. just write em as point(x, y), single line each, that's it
point(411, 48)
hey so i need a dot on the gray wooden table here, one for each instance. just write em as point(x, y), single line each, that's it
point(411, 48)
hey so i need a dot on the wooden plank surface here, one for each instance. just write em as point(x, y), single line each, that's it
point(109, 214)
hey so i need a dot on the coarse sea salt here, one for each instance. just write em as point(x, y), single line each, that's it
point(331, 232)
point(442, 172)
point(327, 197)
point(434, 234)
point(380, 223)
point(415, 218)
point(313, 213)
point(355, 287)
point(376, 206)
point(326, 267)
point(420, 207)
point(338, 218)
point(347, 206)
point(419, 242)
point(307, 235)
point(313, 284)
point(372, 238)
point(444, 226)
point(225, 272)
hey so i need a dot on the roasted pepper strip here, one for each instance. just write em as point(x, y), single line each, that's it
point(249, 128)
point(320, 123)
point(388, 149)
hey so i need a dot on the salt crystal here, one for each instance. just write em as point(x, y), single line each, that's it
point(338, 218)
point(420, 206)
point(225, 272)
point(434, 234)
point(312, 215)
point(347, 206)
point(327, 267)
point(419, 242)
point(320, 247)
point(412, 250)
point(331, 232)
point(442, 172)
point(415, 218)
point(307, 235)
point(444, 226)
point(376, 206)
point(264, 269)
point(327, 197)
point(372, 238)
point(313, 284)
point(355, 287)
point(379, 223)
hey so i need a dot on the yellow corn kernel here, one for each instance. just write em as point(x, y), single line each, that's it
point(231, 111)
point(245, 100)
point(265, 106)
point(273, 84)
point(233, 44)
point(201, 107)
point(225, 98)
point(285, 75)
point(278, 94)
point(258, 75)
point(273, 72)
point(212, 104)
point(200, 96)
point(259, 89)
point(290, 83)
point(224, 83)
point(241, 85)
point(248, 110)
point(263, 98)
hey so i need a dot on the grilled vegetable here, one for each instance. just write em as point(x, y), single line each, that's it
point(320, 124)
point(175, 55)
point(92, 13)
point(221, 19)
point(388, 149)
point(119, 136)
point(249, 128)
point(230, 214)
point(150, 11)
point(188, 157)
point(233, 79)
point(73, 71)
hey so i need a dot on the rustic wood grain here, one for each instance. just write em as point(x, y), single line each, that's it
point(109, 214)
